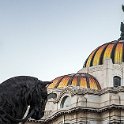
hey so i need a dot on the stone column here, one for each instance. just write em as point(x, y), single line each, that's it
point(108, 73)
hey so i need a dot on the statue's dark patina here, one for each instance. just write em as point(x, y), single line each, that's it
point(122, 27)
point(16, 94)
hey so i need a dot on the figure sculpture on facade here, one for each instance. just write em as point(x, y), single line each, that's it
point(122, 27)
point(16, 94)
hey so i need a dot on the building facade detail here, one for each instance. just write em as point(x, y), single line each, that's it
point(93, 95)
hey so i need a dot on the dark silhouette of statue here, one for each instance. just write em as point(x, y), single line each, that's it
point(122, 27)
point(122, 31)
point(16, 94)
point(123, 8)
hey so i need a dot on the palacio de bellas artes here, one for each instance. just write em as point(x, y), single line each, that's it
point(92, 95)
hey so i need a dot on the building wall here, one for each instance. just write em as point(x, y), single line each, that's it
point(93, 107)
point(105, 73)
point(87, 106)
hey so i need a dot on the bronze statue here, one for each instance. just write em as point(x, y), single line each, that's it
point(16, 94)
point(123, 8)
point(122, 27)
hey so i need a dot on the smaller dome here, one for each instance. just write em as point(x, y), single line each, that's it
point(83, 80)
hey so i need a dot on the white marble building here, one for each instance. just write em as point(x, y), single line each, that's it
point(93, 95)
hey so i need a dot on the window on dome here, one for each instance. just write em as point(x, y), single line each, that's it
point(66, 102)
point(117, 81)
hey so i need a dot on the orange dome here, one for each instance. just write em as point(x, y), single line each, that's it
point(113, 50)
point(82, 80)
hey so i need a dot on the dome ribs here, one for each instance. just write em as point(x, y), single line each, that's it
point(92, 83)
point(87, 80)
point(75, 80)
point(91, 62)
point(97, 56)
point(59, 82)
point(98, 85)
point(71, 79)
point(85, 63)
point(113, 51)
point(88, 60)
point(78, 79)
point(55, 83)
point(102, 55)
point(83, 82)
point(118, 53)
point(108, 51)
point(64, 81)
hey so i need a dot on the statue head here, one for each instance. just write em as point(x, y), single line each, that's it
point(38, 100)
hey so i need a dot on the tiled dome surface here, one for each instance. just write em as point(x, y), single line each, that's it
point(83, 80)
point(113, 50)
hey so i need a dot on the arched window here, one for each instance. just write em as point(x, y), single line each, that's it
point(117, 81)
point(52, 95)
point(66, 102)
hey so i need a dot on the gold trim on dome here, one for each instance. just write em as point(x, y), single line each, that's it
point(74, 81)
point(90, 58)
point(118, 53)
point(64, 82)
point(93, 84)
point(108, 51)
point(54, 84)
point(83, 83)
point(97, 55)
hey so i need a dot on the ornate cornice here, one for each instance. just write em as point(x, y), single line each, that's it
point(78, 91)
point(78, 108)
point(82, 91)
point(112, 90)
point(84, 109)
point(118, 67)
point(95, 68)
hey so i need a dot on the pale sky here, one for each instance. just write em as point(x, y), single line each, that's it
point(50, 38)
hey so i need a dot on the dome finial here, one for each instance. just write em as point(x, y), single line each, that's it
point(122, 27)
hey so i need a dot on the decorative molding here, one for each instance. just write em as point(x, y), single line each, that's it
point(95, 68)
point(67, 90)
point(82, 91)
point(117, 67)
point(73, 91)
point(98, 110)
point(84, 109)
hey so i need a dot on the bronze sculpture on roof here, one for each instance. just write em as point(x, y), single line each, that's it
point(122, 27)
